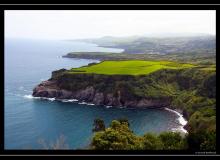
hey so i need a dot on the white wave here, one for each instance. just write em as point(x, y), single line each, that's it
point(108, 106)
point(69, 100)
point(31, 97)
point(72, 100)
point(124, 107)
point(75, 100)
point(82, 103)
point(181, 120)
point(64, 100)
point(28, 96)
point(50, 99)
point(179, 129)
point(90, 104)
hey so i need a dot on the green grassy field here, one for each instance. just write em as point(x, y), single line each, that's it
point(130, 67)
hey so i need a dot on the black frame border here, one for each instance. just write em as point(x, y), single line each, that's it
point(97, 7)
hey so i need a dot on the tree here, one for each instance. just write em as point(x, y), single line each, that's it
point(123, 120)
point(172, 140)
point(209, 142)
point(202, 140)
point(116, 137)
point(99, 125)
point(151, 142)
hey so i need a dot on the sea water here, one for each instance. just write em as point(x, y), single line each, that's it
point(28, 119)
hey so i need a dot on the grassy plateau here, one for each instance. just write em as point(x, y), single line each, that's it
point(130, 67)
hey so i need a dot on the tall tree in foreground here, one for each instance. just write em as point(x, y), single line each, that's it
point(99, 125)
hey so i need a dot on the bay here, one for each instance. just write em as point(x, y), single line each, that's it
point(27, 120)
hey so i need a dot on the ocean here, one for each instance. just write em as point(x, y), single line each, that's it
point(29, 120)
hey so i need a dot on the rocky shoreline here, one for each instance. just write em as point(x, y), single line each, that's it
point(121, 91)
point(50, 89)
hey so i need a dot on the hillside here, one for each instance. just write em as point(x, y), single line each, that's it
point(159, 45)
point(195, 58)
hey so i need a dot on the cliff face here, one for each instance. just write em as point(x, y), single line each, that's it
point(50, 89)
point(96, 89)
point(159, 89)
point(189, 91)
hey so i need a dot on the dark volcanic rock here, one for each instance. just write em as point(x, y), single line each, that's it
point(86, 94)
point(109, 99)
point(98, 99)
point(51, 89)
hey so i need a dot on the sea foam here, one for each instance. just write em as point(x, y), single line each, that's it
point(69, 100)
point(32, 97)
point(181, 120)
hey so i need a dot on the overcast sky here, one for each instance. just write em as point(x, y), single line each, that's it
point(93, 24)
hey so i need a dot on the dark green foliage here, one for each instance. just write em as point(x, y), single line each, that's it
point(91, 64)
point(209, 143)
point(202, 140)
point(161, 84)
point(118, 136)
point(58, 73)
point(208, 87)
point(124, 120)
point(99, 125)
point(172, 140)
point(152, 142)
point(202, 121)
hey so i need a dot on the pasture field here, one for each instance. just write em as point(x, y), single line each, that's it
point(130, 67)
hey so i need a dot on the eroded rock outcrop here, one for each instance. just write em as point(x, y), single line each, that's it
point(50, 89)
point(111, 90)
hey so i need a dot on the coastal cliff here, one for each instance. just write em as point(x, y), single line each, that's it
point(190, 91)
point(163, 88)
point(110, 90)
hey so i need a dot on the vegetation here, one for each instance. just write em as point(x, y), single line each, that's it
point(132, 67)
point(118, 136)
point(192, 90)
point(159, 45)
point(202, 140)
point(99, 125)
point(191, 57)
point(180, 71)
